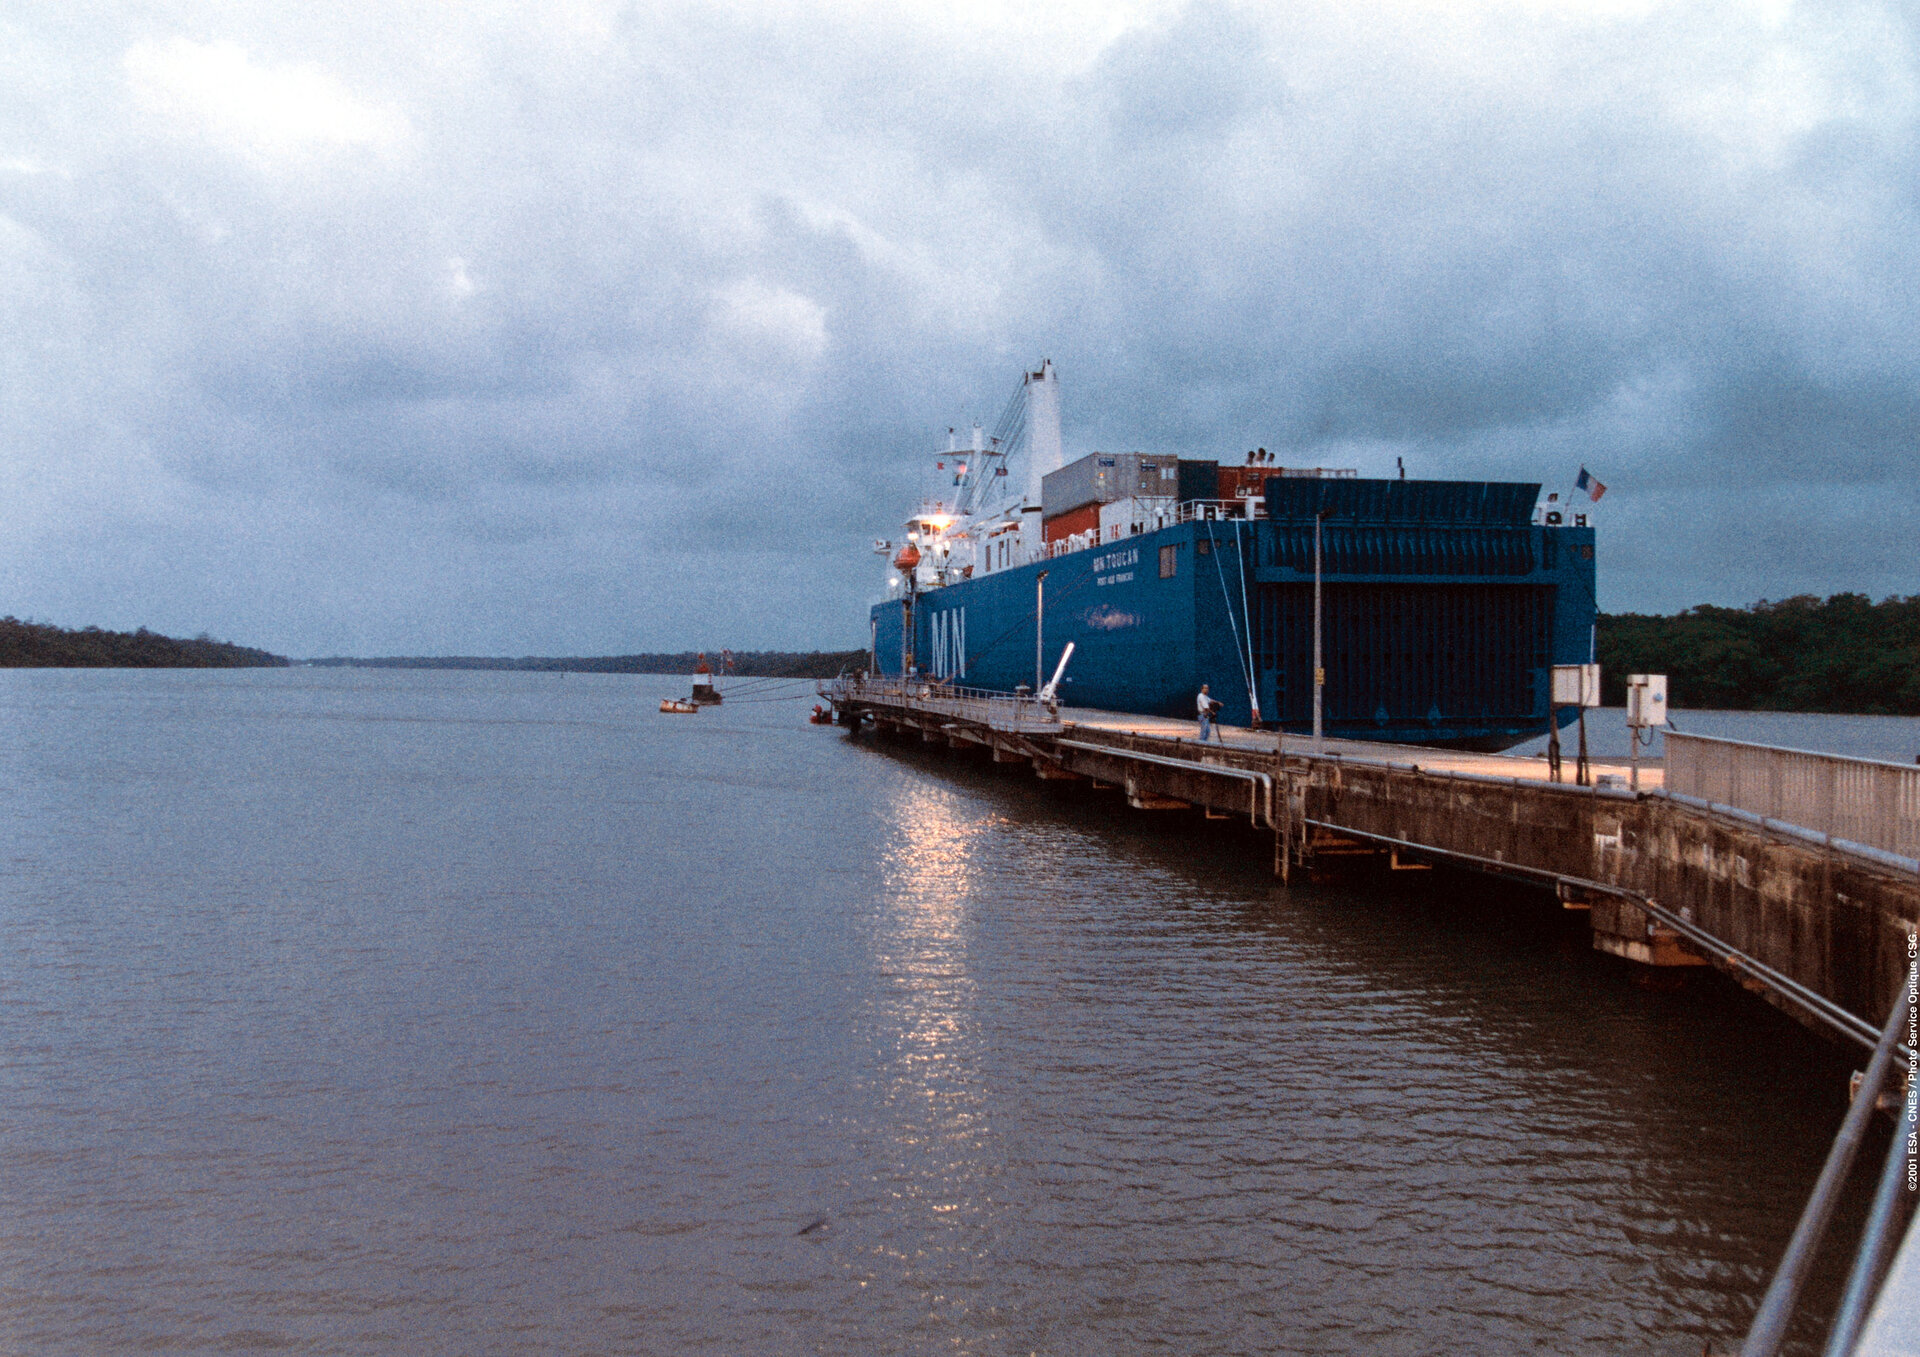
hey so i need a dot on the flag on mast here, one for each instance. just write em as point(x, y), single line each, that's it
point(1591, 484)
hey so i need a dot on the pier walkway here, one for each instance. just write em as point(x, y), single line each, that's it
point(1607, 772)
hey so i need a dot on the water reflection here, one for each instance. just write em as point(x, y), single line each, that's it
point(937, 1132)
point(354, 1009)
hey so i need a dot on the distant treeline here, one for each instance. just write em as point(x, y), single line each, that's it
point(1844, 654)
point(746, 663)
point(36, 645)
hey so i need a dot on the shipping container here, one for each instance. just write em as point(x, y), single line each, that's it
point(1102, 477)
point(1086, 518)
point(1240, 482)
point(1198, 480)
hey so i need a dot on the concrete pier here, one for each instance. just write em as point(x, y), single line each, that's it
point(1816, 925)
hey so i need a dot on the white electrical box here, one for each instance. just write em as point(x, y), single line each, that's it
point(1576, 685)
point(1646, 700)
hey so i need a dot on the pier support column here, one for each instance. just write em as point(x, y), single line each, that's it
point(1335, 857)
point(1625, 930)
point(1141, 800)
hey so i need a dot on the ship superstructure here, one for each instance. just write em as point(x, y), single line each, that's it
point(1443, 604)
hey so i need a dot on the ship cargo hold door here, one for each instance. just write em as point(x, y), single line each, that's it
point(1453, 664)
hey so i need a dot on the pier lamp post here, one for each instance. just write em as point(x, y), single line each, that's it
point(1039, 630)
point(1319, 668)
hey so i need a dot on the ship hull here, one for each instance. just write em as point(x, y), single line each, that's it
point(1431, 636)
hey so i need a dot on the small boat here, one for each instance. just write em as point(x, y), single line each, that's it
point(678, 706)
point(820, 716)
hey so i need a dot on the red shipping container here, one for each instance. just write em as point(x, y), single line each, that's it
point(1062, 526)
point(1236, 481)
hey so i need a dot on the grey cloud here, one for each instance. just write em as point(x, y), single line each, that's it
point(677, 299)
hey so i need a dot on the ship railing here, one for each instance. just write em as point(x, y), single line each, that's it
point(1862, 801)
point(1212, 510)
point(1191, 511)
point(1002, 711)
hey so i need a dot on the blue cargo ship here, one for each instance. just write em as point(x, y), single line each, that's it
point(1444, 604)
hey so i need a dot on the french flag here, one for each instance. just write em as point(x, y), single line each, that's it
point(1591, 484)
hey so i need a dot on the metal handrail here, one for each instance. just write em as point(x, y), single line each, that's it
point(1220, 510)
point(1184, 511)
point(1877, 1243)
point(1865, 801)
point(984, 706)
point(1263, 781)
point(1776, 1307)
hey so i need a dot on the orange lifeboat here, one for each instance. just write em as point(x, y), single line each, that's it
point(908, 558)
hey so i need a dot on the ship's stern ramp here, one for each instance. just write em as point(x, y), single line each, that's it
point(1443, 608)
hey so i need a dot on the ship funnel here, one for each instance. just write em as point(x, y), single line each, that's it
point(1043, 427)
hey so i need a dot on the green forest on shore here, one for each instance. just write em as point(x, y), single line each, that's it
point(38, 645)
point(1844, 654)
point(1841, 654)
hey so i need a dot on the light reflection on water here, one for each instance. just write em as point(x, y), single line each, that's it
point(940, 1134)
point(367, 1012)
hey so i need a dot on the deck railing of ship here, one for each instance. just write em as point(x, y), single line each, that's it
point(1188, 511)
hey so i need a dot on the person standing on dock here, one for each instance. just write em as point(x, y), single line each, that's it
point(1207, 706)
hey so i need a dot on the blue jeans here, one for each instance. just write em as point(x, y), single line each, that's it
point(1206, 729)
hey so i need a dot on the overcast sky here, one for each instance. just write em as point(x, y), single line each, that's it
point(591, 328)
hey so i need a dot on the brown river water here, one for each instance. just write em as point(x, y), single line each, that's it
point(353, 1011)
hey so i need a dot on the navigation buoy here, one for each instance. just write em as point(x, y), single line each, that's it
point(704, 692)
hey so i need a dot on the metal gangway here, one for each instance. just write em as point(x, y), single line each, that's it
point(1008, 713)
